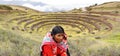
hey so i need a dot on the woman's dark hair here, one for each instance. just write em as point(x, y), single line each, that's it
point(56, 30)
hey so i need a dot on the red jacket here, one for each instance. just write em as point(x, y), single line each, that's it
point(48, 50)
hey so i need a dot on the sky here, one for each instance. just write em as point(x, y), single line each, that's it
point(54, 5)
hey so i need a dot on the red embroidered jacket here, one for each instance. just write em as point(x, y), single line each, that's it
point(49, 50)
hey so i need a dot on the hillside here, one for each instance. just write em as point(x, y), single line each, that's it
point(105, 7)
point(90, 33)
point(109, 7)
point(108, 4)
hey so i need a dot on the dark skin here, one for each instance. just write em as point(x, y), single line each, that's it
point(58, 37)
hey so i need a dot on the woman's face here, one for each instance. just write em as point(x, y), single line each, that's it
point(59, 37)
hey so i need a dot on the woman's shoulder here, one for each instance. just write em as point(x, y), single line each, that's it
point(49, 44)
point(46, 46)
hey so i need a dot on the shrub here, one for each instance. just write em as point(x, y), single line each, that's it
point(88, 8)
point(5, 7)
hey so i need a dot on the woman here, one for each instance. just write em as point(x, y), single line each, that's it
point(55, 43)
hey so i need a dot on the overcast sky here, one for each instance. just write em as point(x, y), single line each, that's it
point(56, 5)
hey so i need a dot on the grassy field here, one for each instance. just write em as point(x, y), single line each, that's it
point(15, 40)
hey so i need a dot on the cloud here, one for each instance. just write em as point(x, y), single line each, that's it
point(46, 8)
point(21, 2)
point(15, 0)
point(70, 4)
point(7, 0)
point(56, 5)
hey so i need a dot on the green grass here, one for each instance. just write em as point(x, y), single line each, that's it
point(115, 38)
point(12, 44)
point(88, 46)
